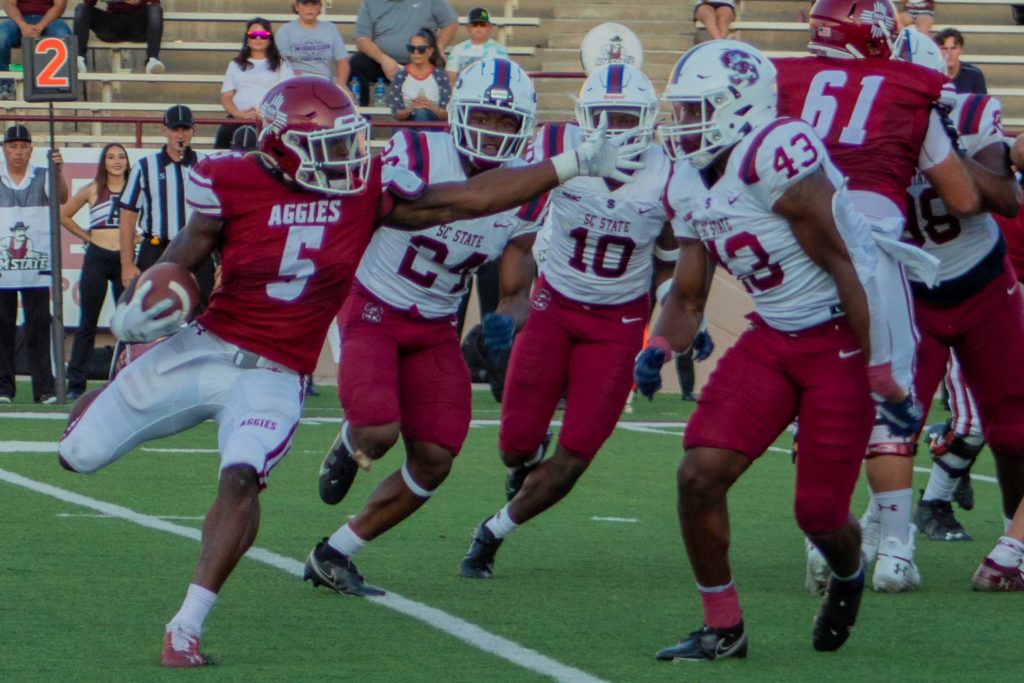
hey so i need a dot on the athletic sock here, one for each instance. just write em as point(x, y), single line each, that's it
point(345, 541)
point(190, 617)
point(1008, 552)
point(893, 510)
point(940, 484)
point(721, 605)
point(501, 524)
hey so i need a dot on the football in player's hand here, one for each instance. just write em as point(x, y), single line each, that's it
point(170, 281)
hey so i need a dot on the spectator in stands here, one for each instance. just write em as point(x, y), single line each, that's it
point(920, 13)
point(102, 265)
point(420, 90)
point(479, 46)
point(256, 68)
point(312, 46)
point(967, 78)
point(122, 21)
point(24, 261)
point(383, 28)
point(716, 15)
point(28, 19)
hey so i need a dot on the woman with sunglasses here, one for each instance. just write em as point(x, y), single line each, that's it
point(256, 68)
point(420, 90)
point(102, 263)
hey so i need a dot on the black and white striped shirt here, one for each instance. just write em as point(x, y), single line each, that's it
point(156, 190)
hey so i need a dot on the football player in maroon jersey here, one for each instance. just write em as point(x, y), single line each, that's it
point(291, 223)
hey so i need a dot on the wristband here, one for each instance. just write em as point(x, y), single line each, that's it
point(669, 255)
point(567, 166)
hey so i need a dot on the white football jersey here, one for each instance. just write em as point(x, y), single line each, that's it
point(601, 242)
point(958, 243)
point(735, 220)
point(429, 269)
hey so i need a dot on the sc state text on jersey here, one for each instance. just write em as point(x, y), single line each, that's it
point(463, 237)
point(709, 229)
point(300, 213)
point(608, 225)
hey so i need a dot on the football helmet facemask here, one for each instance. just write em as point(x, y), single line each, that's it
point(853, 28)
point(315, 135)
point(492, 85)
point(618, 88)
point(719, 91)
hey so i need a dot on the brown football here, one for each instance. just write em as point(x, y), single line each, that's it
point(170, 281)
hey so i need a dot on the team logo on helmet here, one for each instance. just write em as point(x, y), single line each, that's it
point(613, 52)
point(743, 65)
point(879, 20)
point(273, 117)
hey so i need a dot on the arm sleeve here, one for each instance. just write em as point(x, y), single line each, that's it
point(443, 13)
point(130, 197)
point(200, 191)
point(444, 87)
point(679, 196)
point(395, 99)
point(339, 49)
point(936, 146)
point(364, 25)
point(230, 78)
point(402, 165)
point(455, 58)
point(780, 155)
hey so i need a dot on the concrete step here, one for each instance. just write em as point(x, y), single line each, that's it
point(667, 40)
point(616, 11)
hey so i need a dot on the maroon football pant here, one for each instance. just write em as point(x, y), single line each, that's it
point(766, 380)
point(397, 367)
point(987, 333)
point(581, 350)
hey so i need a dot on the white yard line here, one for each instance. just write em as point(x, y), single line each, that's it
point(447, 623)
point(623, 520)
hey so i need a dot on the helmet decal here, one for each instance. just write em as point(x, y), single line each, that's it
point(742, 64)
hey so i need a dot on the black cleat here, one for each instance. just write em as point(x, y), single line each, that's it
point(963, 494)
point(517, 475)
point(337, 472)
point(707, 644)
point(838, 614)
point(935, 519)
point(479, 561)
point(325, 566)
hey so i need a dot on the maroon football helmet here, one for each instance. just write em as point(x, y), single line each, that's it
point(853, 28)
point(315, 135)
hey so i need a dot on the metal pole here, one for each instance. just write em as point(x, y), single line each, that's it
point(56, 275)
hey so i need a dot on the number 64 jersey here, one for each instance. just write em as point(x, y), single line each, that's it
point(735, 220)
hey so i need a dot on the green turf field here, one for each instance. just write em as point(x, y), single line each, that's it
point(93, 567)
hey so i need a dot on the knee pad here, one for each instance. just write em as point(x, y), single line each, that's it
point(947, 441)
point(819, 513)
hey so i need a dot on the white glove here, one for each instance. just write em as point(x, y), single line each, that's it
point(602, 155)
point(132, 324)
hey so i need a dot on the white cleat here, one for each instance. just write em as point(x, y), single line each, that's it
point(871, 537)
point(895, 571)
point(818, 571)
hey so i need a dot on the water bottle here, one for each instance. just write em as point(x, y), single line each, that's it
point(380, 93)
point(355, 89)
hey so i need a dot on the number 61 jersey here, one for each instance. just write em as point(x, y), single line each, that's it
point(735, 220)
point(601, 241)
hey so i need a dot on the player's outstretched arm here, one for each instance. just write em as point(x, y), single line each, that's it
point(991, 172)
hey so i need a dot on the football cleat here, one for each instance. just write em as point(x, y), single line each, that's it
point(181, 649)
point(963, 494)
point(325, 566)
point(337, 472)
point(992, 576)
point(818, 571)
point(895, 571)
point(935, 519)
point(838, 614)
point(871, 537)
point(707, 644)
point(517, 475)
point(479, 561)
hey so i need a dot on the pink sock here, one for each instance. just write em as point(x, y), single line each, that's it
point(721, 606)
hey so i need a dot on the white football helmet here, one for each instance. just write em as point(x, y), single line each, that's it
point(732, 84)
point(497, 85)
point(915, 47)
point(618, 88)
point(610, 43)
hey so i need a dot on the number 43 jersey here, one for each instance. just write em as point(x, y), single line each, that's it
point(735, 220)
point(601, 240)
point(428, 270)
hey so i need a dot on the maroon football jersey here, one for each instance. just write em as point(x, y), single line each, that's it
point(288, 256)
point(872, 115)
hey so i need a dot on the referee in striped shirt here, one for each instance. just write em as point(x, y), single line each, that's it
point(153, 201)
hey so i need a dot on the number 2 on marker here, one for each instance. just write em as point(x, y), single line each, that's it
point(47, 78)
